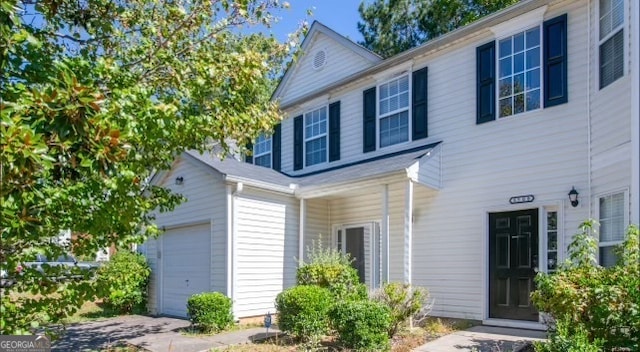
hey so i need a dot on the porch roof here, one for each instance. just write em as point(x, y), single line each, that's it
point(422, 164)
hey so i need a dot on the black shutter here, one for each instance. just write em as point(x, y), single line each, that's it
point(369, 120)
point(419, 108)
point(555, 61)
point(334, 131)
point(298, 139)
point(249, 155)
point(276, 147)
point(486, 82)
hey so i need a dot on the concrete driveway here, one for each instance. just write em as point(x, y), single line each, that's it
point(150, 333)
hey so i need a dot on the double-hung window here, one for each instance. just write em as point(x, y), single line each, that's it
point(612, 210)
point(262, 151)
point(315, 136)
point(393, 105)
point(611, 41)
point(519, 72)
point(525, 69)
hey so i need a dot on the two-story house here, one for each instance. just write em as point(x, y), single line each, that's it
point(464, 165)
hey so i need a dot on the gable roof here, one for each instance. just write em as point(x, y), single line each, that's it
point(316, 28)
point(488, 21)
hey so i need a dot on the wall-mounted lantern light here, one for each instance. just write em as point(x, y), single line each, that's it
point(179, 180)
point(573, 197)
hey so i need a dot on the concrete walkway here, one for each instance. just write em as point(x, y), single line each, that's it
point(155, 334)
point(483, 339)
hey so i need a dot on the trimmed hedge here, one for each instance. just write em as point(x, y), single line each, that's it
point(303, 312)
point(210, 311)
point(362, 325)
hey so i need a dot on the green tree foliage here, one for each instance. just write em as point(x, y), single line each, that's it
point(593, 308)
point(96, 94)
point(123, 282)
point(393, 26)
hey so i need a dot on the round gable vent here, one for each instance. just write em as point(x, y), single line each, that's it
point(319, 60)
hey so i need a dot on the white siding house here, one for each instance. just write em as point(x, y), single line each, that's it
point(447, 166)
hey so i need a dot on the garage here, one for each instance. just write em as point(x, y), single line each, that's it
point(186, 266)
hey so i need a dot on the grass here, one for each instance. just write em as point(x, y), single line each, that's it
point(90, 311)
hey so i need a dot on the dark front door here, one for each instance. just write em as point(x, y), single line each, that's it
point(355, 247)
point(513, 261)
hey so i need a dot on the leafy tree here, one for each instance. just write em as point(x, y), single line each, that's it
point(96, 95)
point(393, 26)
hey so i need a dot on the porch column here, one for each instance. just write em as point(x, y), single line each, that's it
point(408, 230)
point(301, 232)
point(384, 234)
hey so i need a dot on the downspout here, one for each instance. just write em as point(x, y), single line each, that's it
point(408, 231)
point(232, 237)
point(635, 112)
point(385, 233)
point(589, 82)
point(301, 232)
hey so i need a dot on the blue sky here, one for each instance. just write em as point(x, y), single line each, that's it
point(340, 15)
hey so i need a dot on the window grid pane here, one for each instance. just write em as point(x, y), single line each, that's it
point(611, 16)
point(394, 129)
point(519, 73)
point(552, 241)
point(611, 217)
point(612, 59)
point(394, 96)
point(264, 160)
point(315, 136)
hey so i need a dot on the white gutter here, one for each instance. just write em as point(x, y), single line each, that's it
point(329, 189)
point(260, 184)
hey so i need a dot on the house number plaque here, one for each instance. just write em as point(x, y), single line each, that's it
point(522, 199)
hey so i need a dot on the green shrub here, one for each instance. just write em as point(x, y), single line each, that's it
point(567, 339)
point(331, 269)
point(210, 311)
point(362, 325)
point(303, 312)
point(404, 301)
point(604, 303)
point(123, 282)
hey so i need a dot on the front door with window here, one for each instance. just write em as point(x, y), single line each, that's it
point(362, 243)
point(513, 262)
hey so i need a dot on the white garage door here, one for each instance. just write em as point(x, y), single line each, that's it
point(186, 266)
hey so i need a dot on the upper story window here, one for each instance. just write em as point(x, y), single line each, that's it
point(262, 151)
point(519, 72)
point(393, 102)
point(611, 41)
point(523, 70)
point(315, 136)
point(612, 210)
